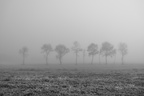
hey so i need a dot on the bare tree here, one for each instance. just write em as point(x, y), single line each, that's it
point(46, 49)
point(24, 52)
point(92, 50)
point(76, 48)
point(106, 49)
point(123, 50)
point(61, 51)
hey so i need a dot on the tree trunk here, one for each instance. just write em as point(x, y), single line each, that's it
point(122, 60)
point(47, 60)
point(99, 59)
point(106, 59)
point(23, 60)
point(83, 59)
point(76, 58)
point(92, 60)
point(114, 59)
point(60, 61)
point(83, 56)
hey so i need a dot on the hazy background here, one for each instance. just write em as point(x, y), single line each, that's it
point(33, 23)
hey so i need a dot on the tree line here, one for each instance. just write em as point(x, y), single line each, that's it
point(106, 50)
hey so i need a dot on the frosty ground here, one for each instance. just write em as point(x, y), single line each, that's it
point(72, 80)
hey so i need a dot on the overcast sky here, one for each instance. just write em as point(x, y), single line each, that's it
point(33, 23)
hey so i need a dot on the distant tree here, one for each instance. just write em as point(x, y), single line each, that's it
point(76, 48)
point(106, 50)
point(46, 49)
point(92, 50)
point(61, 51)
point(123, 50)
point(84, 56)
point(24, 52)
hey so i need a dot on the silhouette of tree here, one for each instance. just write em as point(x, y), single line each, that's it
point(46, 49)
point(61, 51)
point(123, 50)
point(106, 50)
point(92, 50)
point(76, 48)
point(24, 52)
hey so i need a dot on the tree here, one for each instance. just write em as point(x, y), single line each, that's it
point(123, 50)
point(46, 49)
point(24, 52)
point(92, 50)
point(106, 50)
point(61, 51)
point(76, 48)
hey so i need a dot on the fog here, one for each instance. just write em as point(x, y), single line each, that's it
point(33, 23)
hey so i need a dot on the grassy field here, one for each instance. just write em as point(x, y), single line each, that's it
point(72, 80)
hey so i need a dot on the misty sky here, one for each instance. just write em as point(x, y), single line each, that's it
point(33, 23)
